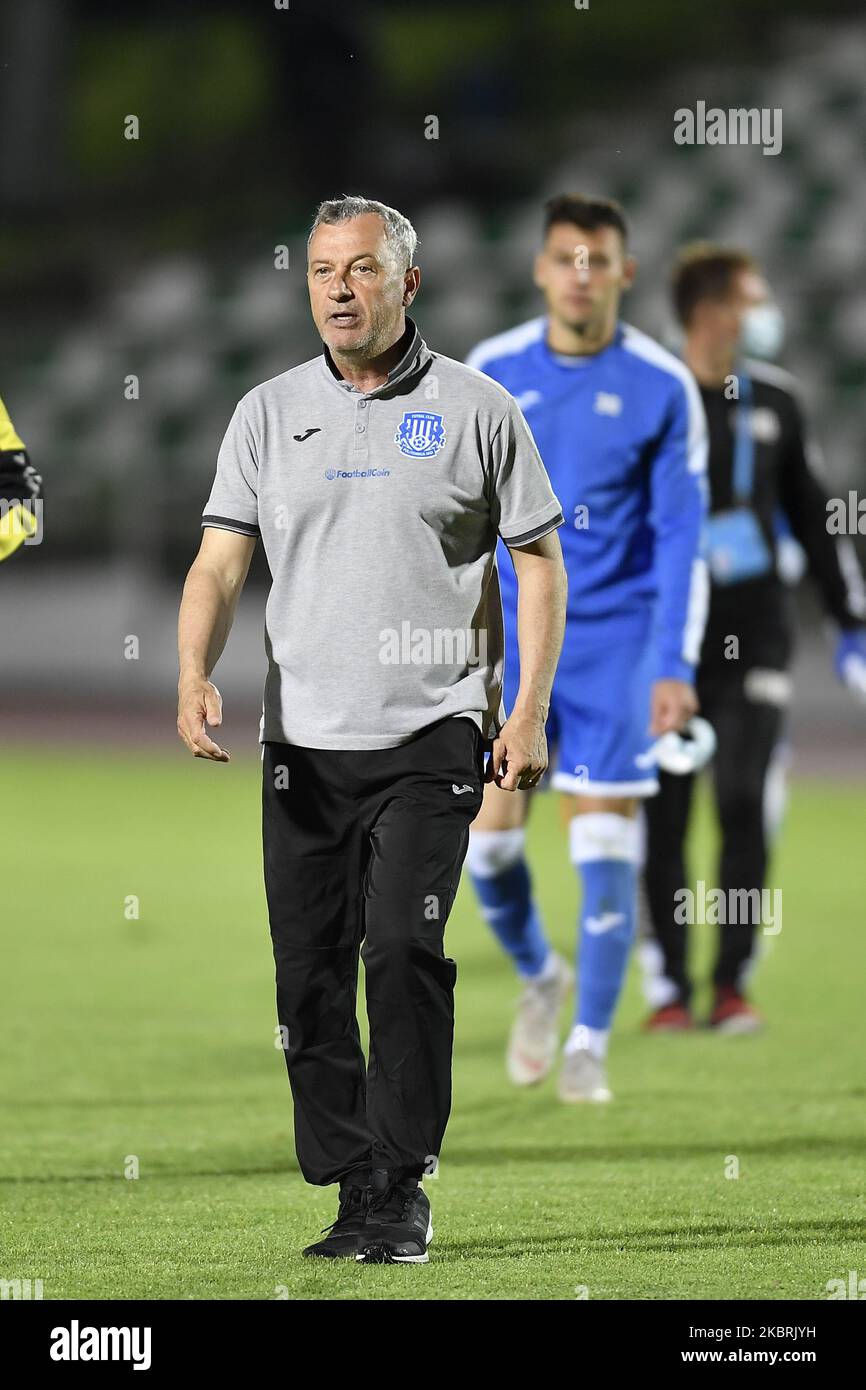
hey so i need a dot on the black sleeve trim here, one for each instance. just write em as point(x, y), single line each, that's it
point(536, 534)
point(227, 523)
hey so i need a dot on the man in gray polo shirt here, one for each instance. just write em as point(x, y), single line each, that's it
point(378, 477)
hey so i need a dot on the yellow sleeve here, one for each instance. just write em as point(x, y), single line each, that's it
point(8, 437)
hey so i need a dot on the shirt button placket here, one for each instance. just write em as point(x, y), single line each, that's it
point(362, 433)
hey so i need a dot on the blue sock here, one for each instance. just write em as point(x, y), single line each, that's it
point(604, 850)
point(501, 880)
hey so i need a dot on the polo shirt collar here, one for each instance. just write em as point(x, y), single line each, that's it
point(415, 354)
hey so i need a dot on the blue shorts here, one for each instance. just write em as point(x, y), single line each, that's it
point(598, 726)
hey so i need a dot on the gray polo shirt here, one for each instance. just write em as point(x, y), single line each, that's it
point(379, 513)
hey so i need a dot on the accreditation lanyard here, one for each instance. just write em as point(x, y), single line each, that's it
point(744, 444)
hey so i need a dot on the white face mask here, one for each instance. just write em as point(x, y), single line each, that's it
point(762, 331)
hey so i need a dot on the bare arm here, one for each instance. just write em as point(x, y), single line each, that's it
point(210, 596)
point(519, 754)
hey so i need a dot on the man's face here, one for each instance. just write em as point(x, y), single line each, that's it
point(722, 319)
point(583, 275)
point(357, 292)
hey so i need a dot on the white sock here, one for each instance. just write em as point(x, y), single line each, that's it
point(491, 852)
point(583, 1039)
point(547, 971)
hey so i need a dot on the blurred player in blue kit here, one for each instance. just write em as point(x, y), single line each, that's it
point(619, 424)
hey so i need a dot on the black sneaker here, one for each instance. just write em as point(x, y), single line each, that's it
point(341, 1241)
point(398, 1228)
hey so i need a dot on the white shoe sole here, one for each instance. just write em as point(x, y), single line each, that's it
point(600, 1096)
point(404, 1259)
point(739, 1026)
point(522, 1074)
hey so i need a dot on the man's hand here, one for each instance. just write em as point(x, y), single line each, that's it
point(199, 703)
point(519, 756)
point(210, 596)
point(673, 704)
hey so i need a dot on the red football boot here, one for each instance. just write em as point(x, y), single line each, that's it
point(733, 1014)
point(671, 1018)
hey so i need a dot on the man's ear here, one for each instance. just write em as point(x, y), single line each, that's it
point(538, 270)
point(411, 282)
point(629, 272)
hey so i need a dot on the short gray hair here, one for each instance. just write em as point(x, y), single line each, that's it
point(399, 233)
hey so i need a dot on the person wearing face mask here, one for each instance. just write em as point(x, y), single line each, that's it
point(761, 473)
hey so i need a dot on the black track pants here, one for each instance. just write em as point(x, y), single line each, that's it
point(747, 732)
point(368, 846)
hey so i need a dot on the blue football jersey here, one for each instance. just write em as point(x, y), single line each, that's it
point(624, 440)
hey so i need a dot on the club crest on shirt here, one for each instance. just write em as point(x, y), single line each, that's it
point(607, 403)
point(765, 425)
point(421, 434)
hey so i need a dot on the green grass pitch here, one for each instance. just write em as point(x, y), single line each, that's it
point(153, 1039)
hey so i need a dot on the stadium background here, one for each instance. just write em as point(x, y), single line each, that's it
point(154, 258)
